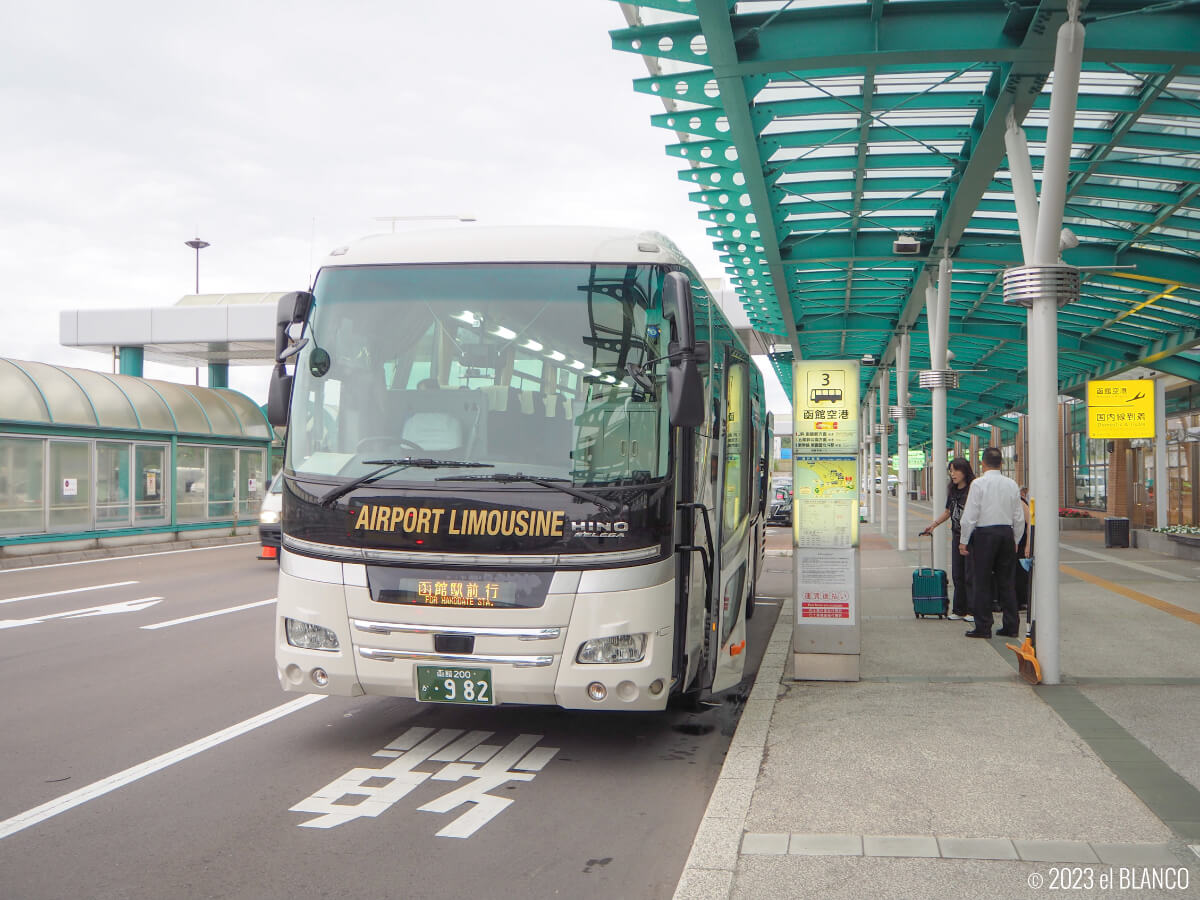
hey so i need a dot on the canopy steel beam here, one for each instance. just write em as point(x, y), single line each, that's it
point(723, 56)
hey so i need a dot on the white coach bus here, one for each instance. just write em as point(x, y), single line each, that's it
point(523, 465)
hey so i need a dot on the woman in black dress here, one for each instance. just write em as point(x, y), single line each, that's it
point(961, 477)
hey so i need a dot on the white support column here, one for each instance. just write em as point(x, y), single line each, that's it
point(1162, 493)
point(1043, 345)
point(937, 311)
point(902, 442)
point(1024, 193)
point(884, 446)
point(870, 478)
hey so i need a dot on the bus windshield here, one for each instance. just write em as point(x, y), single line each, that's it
point(522, 367)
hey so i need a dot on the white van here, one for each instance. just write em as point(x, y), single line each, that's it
point(269, 527)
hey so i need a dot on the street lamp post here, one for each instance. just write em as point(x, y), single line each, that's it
point(197, 245)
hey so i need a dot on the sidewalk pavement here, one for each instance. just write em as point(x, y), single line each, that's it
point(944, 774)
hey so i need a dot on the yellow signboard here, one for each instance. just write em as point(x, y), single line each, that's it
point(1121, 409)
point(825, 408)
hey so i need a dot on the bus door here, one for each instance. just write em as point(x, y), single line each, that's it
point(738, 458)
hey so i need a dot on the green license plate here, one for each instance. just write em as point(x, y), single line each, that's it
point(453, 684)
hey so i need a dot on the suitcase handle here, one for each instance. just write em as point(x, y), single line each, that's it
point(920, 551)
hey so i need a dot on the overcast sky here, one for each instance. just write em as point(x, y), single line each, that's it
point(276, 131)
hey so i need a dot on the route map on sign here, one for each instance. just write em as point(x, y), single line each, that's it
point(825, 479)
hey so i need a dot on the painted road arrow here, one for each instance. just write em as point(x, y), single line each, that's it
point(107, 609)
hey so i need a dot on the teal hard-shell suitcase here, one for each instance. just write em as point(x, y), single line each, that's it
point(930, 589)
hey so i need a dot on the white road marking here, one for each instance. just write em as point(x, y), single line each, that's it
point(94, 587)
point(375, 791)
point(207, 615)
point(1150, 570)
point(41, 813)
point(106, 610)
point(88, 562)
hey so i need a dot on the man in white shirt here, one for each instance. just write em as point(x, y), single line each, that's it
point(992, 524)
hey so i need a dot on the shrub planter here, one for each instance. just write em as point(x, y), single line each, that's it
point(1179, 545)
point(1088, 524)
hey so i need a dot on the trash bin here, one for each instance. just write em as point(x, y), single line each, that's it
point(1116, 532)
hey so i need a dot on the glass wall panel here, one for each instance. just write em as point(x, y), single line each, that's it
point(1008, 454)
point(222, 482)
point(252, 482)
point(149, 468)
point(112, 484)
point(21, 485)
point(1087, 472)
point(191, 486)
point(70, 486)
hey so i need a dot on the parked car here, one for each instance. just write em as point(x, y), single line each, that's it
point(270, 529)
point(779, 507)
point(893, 484)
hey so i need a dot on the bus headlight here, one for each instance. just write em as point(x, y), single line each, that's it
point(623, 648)
point(269, 517)
point(307, 636)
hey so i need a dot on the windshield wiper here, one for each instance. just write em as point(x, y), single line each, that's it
point(555, 484)
point(386, 465)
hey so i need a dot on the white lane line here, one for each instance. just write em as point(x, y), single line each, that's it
point(41, 813)
point(1149, 570)
point(94, 587)
point(88, 562)
point(207, 615)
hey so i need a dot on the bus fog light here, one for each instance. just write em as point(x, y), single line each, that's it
point(656, 686)
point(293, 674)
point(308, 636)
point(623, 648)
point(627, 691)
point(597, 691)
point(320, 677)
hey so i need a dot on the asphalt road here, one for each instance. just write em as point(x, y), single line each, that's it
point(149, 754)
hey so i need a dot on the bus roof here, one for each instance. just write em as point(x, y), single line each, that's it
point(540, 244)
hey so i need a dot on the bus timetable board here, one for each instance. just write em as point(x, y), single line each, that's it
point(825, 477)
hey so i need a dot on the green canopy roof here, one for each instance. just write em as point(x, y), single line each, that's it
point(43, 394)
point(816, 132)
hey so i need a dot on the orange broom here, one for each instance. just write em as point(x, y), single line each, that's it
point(1028, 666)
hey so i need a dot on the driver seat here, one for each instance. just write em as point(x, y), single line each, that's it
point(441, 421)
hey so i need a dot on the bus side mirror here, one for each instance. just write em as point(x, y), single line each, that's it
point(292, 307)
point(279, 396)
point(685, 388)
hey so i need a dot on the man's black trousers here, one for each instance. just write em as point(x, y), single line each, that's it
point(993, 558)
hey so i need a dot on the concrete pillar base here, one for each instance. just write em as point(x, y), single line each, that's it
point(825, 667)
